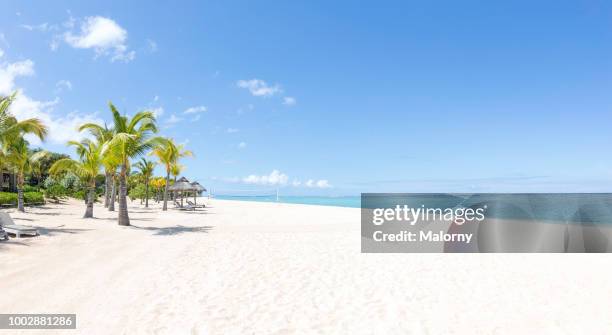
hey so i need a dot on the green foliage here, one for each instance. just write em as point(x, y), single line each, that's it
point(56, 192)
point(33, 197)
point(71, 181)
point(7, 198)
point(30, 188)
point(137, 192)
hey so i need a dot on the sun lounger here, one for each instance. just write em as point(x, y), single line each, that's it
point(9, 226)
point(187, 207)
point(195, 205)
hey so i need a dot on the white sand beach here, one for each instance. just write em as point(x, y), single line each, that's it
point(266, 268)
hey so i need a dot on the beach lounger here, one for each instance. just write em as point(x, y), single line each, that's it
point(194, 205)
point(187, 207)
point(8, 225)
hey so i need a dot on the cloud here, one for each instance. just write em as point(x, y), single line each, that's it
point(173, 119)
point(195, 110)
point(274, 178)
point(152, 46)
point(8, 73)
point(63, 85)
point(62, 128)
point(289, 101)
point(43, 27)
point(322, 183)
point(157, 111)
point(1, 53)
point(242, 145)
point(277, 178)
point(103, 35)
point(232, 130)
point(259, 88)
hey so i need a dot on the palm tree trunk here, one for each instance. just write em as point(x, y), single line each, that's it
point(147, 192)
point(111, 204)
point(107, 188)
point(20, 193)
point(165, 208)
point(124, 218)
point(90, 200)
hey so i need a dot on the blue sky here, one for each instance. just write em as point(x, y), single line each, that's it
point(334, 98)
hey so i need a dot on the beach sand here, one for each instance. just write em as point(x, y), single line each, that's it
point(266, 268)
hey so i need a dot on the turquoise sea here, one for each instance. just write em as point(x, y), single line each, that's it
point(348, 201)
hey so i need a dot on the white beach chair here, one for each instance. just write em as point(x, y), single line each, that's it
point(192, 204)
point(7, 225)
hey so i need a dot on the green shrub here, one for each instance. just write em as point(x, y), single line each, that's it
point(30, 188)
point(33, 197)
point(7, 198)
point(56, 192)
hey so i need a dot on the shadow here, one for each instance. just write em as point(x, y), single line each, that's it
point(58, 230)
point(49, 214)
point(144, 211)
point(24, 219)
point(174, 230)
point(142, 219)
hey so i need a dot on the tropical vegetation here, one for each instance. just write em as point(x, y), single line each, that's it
point(112, 162)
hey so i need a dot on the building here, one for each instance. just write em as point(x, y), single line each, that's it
point(8, 182)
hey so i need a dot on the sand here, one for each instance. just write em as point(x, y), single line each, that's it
point(264, 268)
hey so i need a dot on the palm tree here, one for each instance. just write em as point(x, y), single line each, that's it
point(15, 148)
point(20, 159)
point(146, 168)
point(11, 129)
point(104, 134)
point(168, 154)
point(132, 138)
point(87, 168)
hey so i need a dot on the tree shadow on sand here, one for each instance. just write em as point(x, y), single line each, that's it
point(174, 230)
point(59, 230)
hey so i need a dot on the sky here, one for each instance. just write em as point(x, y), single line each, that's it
point(333, 97)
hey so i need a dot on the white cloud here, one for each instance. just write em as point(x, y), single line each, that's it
point(1, 53)
point(8, 73)
point(61, 129)
point(63, 85)
point(196, 118)
point(173, 119)
point(274, 178)
point(103, 35)
point(156, 98)
point(259, 88)
point(232, 130)
point(277, 178)
point(151, 45)
point(242, 145)
point(157, 111)
point(322, 183)
point(195, 110)
point(289, 101)
point(43, 27)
